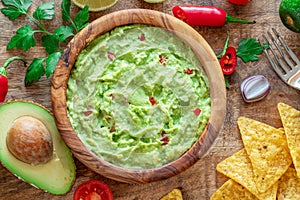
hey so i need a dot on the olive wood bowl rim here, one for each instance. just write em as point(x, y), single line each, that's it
point(206, 57)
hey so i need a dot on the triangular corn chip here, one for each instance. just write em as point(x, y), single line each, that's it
point(267, 149)
point(231, 190)
point(238, 167)
point(289, 186)
point(290, 118)
point(175, 194)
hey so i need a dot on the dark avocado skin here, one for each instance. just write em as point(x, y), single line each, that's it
point(289, 11)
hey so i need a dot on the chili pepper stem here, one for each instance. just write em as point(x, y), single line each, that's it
point(230, 19)
point(11, 59)
point(225, 47)
point(226, 78)
point(7, 62)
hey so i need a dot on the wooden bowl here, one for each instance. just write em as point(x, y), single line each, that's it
point(206, 57)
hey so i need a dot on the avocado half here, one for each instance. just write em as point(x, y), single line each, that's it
point(58, 174)
point(289, 12)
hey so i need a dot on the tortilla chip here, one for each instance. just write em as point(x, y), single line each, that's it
point(173, 195)
point(289, 186)
point(290, 118)
point(231, 190)
point(238, 167)
point(282, 129)
point(267, 149)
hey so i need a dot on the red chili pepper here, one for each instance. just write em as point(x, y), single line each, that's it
point(142, 37)
point(3, 77)
point(164, 138)
point(205, 16)
point(197, 111)
point(228, 61)
point(3, 84)
point(239, 2)
point(152, 100)
point(163, 60)
point(188, 71)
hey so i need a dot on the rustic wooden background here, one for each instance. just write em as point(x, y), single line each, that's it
point(201, 180)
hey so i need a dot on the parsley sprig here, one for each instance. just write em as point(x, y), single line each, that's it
point(249, 49)
point(25, 36)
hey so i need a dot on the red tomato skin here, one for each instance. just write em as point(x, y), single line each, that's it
point(239, 2)
point(93, 189)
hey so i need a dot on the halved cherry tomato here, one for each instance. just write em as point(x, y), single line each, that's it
point(93, 190)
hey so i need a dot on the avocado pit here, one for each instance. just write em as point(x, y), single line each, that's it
point(29, 140)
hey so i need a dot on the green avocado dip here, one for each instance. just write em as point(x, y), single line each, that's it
point(138, 97)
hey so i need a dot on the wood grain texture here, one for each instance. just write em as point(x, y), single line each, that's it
point(203, 52)
point(201, 180)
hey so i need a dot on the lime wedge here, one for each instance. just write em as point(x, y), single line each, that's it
point(95, 5)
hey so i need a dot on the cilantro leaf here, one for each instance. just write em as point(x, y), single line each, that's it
point(23, 39)
point(63, 32)
point(248, 50)
point(266, 45)
point(21, 5)
point(35, 71)
point(51, 43)
point(81, 18)
point(44, 11)
point(15, 8)
point(65, 10)
point(51, 63)
point(11, 12)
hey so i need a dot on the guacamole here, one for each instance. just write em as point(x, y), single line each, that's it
point(138, 97)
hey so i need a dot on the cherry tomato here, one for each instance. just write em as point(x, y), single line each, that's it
point(239, 2)
point(93, 190)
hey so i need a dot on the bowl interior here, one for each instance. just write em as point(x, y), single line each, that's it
point(204, 54)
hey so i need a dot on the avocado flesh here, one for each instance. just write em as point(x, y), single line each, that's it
point(289, 11)
point(57, 175)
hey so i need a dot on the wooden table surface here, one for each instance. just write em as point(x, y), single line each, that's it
point(201, 180)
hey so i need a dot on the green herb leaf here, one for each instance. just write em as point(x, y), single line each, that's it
point(51, 63)
point(35, 71)
point(81, 18)
point(65, 10)
point(11, 12)
point(15, 8)
point(266, 45)
point(248, 50)
point(21, 5)
point(64, 32)
point(23, 39)
point(51, 43)
point(44, 11)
